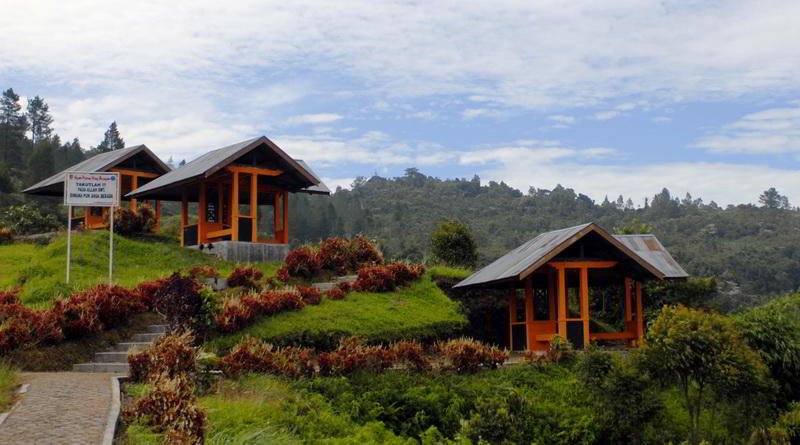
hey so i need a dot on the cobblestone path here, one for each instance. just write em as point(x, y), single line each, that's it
point(61, 408)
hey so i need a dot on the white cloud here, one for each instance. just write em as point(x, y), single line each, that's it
point(626, 106)
point(775, 130)
point(562, 118)
point(606, 115)
point(319, 118)
point(472, 113)
point(661, 119)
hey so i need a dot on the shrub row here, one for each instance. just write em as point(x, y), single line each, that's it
point(336, 255)
point(379, 279)
point(462, 355)
point(170, 355)
point(92, 310)
point(245, 277)
point(237, 313)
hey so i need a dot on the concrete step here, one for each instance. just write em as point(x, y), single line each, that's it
point(133, 346)
point(152, 336)
point(121, 368)
point(157, 329)
point(111, 357)
point(346, 278)
point(324, 286)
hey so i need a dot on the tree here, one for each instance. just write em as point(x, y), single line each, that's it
point(112, 140)
point(773, 200)
point(452, 243)
point(13, 125)
point(39, 118)
point(633, 227)
point(701, 352)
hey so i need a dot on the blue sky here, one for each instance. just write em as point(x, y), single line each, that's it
point(608, 97)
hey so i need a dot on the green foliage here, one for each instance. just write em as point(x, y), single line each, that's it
point(8, 383)
point(701, 352)
point(26, 219)
point(632, 227)
point(691, 292)
point(773, 330)
point(419, 311)
point(452, 243)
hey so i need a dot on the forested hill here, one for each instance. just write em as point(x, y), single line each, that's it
point(752, 250)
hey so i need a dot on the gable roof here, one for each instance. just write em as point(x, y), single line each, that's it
point(215, 160)
point(525, 259)
point(54, 185)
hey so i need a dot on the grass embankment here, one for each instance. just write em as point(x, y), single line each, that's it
point(39, 270)
point(8, 383)
point(420, 310)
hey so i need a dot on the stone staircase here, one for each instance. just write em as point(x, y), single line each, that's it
point(343, 279)
point(116, 360)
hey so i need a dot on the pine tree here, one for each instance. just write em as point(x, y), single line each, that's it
point(112, 140)
point(13, 125)
point(39, 118)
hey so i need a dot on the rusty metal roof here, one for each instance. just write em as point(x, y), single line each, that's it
point(165, 187)
point(520, 262)
point(54, 185)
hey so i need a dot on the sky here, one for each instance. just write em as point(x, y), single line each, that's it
point(607, 97)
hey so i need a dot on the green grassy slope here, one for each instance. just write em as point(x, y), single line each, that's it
point(40, 270)
point(420, 310)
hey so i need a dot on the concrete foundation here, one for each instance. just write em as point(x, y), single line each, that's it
point(244, 252)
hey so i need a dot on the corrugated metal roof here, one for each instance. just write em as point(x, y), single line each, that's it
point(319, 189)
point(214, 160)
point(513, 264)
point(97, 163)
point(651, 250)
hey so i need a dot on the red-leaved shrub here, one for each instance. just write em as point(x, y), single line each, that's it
point(303, 263)
point(364, 253)
point(335, 293)
point(405, 273)
point(283, 274)
point(95, 309)
point(412, 354)
point(6, 236)
point(375, 279)
point(20, 326)
point(128, 221)
point(468, 355)
point(237, 313)
point(253, 355)
point(180, 301)
point(10, 296)
point(336, 255)
point(171, 355)
point(147, 291)
point(310, 295)
point(245, 277)
point(353, 355)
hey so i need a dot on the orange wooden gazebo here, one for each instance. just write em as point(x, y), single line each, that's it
point(580, 283)
point(241, 193)
point(136, 166)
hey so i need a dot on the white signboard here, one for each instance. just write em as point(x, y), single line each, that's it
point(91, 189)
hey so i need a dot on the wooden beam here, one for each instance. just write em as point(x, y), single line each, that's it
point(134, 173)
point(158, 215)
point(134, 186)
point(639, 314)
point(285, 217)
point(254, 205)
point(585, 304)
point(562, 302)
point(253, 170)
point(235, 207)
point(201, 214)
point(184, 212)
point(529, 312)
point(584, 264)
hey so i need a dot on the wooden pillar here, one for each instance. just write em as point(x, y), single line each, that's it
point(562, 302)
point(220, 199)
point(134, 186)
point(285, 237)
point(551, 296)
point(158, 215)
point(201, 215)
point(585, 303)
point(628, 302)
point(184, 213)
point(529, 313)
point(235, 207)
point(511, 314)
point(276, 212)
point(639, 313)
point(254, 206)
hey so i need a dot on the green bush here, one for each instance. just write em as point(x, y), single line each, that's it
point(26, 220)
point(453, 244)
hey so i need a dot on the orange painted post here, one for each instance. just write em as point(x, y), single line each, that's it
point(551, 296)
point(235, 208)
point(639, 313)
point(184, 213)
point(276, 210)
point(134, 186)
point(562, 302)
point(529, 312)
point(158, 215)
point(254, 206)
point(628, 316)
point(585, 304)
point(285, 215)
point(220, 198)
point(511, 314)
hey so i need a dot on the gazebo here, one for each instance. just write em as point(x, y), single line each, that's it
point(580, 283)
point(240, 194)
point(136, 166)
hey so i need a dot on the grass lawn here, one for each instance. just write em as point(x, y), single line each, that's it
point(8, 383)
point(420, 310)
point(40, 270)
point(450, 272)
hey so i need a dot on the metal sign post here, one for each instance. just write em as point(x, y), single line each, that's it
point(92, 189)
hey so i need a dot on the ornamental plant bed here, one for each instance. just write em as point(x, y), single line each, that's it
point(333, 256)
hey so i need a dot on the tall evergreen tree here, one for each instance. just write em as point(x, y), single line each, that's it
point(42, 161)
point(39, 118)
point(112, 140)
point(773, 200)
point(13, 125)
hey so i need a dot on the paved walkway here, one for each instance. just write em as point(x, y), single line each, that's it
point(61, 408)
